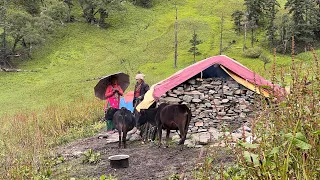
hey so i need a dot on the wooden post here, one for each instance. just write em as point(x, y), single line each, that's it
point(176, 37)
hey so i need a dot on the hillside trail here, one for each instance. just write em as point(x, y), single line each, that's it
point(146, 161)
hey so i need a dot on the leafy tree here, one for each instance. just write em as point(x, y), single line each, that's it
point(237, 17)
point(70, 4)
point(91, 8)
point(19, 24)
point(3, 35)
point(33, 7)
point(265, 60)
point(58, 11)
point(194, 42)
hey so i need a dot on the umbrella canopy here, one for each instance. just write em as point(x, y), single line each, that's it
point(100, 88)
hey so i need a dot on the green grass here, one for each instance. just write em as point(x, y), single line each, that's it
point(142, 37)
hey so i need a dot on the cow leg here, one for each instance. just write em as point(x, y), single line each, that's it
point(159, 135)
point(182, 135)
point(119, 139)
point(154, 133)
point(167, 137)
point(124, 139)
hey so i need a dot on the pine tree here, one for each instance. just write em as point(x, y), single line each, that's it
point(304, 16)
point(237, 17)
point(255, 10)
point(194, 42)
point(271, 11)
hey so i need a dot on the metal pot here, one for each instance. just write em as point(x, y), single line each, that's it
point(119, 161)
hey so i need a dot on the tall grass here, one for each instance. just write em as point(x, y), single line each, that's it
point(27, 139)
point(286, 134)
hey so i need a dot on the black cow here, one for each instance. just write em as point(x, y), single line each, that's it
point(173, 117)
point(148, 117)
point(123, 121)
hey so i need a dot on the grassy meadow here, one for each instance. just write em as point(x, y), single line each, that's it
point(54, 101)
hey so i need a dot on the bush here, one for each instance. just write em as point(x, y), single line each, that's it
point(252, 52)
point(143, 3)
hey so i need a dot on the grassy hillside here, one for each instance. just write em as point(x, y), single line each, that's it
point(139, 39)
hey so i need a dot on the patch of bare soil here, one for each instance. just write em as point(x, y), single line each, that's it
point(146, 161)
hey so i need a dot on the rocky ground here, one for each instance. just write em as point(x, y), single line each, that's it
point(147, 161)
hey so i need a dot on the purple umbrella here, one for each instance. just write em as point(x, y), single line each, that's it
point(100, 88)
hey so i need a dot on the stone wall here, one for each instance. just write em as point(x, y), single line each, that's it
point(214, 102)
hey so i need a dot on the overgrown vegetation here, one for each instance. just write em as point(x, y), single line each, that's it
point(286, 135)
point(27, 140)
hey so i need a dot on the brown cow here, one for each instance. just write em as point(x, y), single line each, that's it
point(173, 117)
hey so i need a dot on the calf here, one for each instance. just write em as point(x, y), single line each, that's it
point(148, 117)
point(123, 121)
point(173, 117)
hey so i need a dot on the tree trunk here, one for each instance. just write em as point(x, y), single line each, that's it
point(252, 37)
point(221, 31)
point(194, 54)
point(16, 40)
point(245, 36)
point(176, 38)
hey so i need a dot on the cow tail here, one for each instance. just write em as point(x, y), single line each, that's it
point(188, 119)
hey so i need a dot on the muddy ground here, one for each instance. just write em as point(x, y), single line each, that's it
point(147, 161)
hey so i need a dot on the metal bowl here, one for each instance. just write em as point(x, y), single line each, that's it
point(119, 161)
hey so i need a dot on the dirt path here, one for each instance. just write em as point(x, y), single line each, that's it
point(146, 161)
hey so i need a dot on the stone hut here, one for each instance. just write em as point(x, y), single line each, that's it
point(219, 90)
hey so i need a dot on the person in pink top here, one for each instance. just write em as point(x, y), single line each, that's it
point(113, 93)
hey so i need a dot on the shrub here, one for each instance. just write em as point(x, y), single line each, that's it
point(252, 52)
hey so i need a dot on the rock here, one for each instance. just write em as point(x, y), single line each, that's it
point(212, 92)
point(172, 95)
point(180, 88)
point(222, 113)
point(172, 100)
point(196, 100)
point(228, 93)
point(195, 137)
point(189, 143)
point(178, 92)
point(187, 98)
point(242, 107)
point(175, 138)
point(226, 118)
point(135, 137)
point(208, 105)
point(77, 153)
point(225, 87)
point(213, 130)
point(198, 146)
point(237, 92)
point(242, 115)
point(192, 81)
point(204, 138)
point(225, 100)
point(209, 86)
point(199, 124)
point(202, 130)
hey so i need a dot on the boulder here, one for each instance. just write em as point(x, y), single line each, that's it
point(204, 138)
